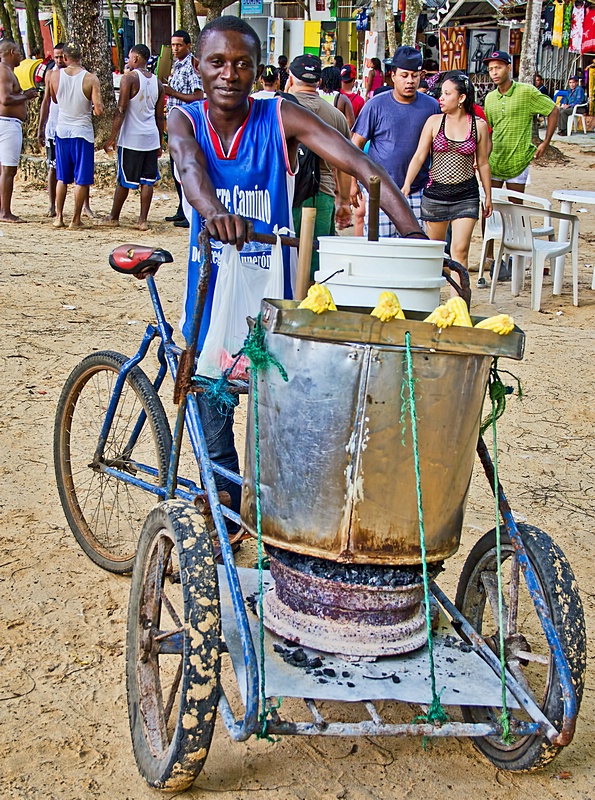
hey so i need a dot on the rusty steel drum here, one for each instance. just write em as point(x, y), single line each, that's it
point(336, 455)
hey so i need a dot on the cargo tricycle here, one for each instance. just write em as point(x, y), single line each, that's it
point(361, 441)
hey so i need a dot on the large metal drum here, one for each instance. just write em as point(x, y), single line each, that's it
point(336, 455)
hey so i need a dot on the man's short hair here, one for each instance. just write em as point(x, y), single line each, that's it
point(59, 46)
point(7, 46)
point(72, 50)
point(229, 23)
point(142, 50)
point(184, 35)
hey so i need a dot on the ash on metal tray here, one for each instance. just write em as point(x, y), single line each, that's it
point(357, 574)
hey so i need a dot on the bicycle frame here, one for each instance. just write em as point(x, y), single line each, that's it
point(174, 360)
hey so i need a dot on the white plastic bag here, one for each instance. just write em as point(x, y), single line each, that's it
point(275, 287)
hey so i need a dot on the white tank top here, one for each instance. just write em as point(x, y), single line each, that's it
point(74, 109)
point(139, 130)
point(52, 120)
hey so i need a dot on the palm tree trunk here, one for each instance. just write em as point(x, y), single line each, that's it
point(412, 12)
point(528, 66)
point(14, 24)
point(5, 20)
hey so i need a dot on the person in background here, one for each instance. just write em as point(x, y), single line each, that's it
point(137, 127)
point(348, 76)
point(283, 72)
point(78, 95)
point(375, 78)
point(184, 86)
point(338, 63)
point(423, 86)
point(330, 90)
point(46, 131)
point(392, 122)
point(456, 140)
point(541, 85)
point(270, 83)
point(13, 110)
point(576, 97)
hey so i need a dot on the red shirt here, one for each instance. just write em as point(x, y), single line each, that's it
point(479, 112)
point(356, 100)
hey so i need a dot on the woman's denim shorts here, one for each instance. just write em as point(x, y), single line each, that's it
point(445, 210)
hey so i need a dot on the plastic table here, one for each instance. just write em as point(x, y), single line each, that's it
point(567, 197)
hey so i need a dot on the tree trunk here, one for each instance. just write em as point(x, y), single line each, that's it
point(33, 27)
point(409, 33)
point(87, 29)
point(391, 36)
point(60, 11)
point(528, 66)
point(14, 24)
point(189, 20)
point(5, 21)
point(215, 7)
point(379, 25)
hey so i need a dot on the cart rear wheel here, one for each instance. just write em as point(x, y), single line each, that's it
point(106, 514)
point(527, 653)
point(173, 647)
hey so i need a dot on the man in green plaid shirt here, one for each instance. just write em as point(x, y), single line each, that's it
point(510, 109)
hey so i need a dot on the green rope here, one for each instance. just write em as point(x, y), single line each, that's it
point(504, 718)
point(217, 393)
point(256, 351)
point(498, 391)
point(436, 713)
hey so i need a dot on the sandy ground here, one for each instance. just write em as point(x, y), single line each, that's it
point(63, 720)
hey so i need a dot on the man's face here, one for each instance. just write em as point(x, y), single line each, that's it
point(573, 84)
point(499, 72)
point(179, 48)
point(227, 66)
point(538, 81)
point(14, 57)
point(59, 58)
point(405, 82)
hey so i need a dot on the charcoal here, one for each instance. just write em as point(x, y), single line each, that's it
point(351, 685)
point(345, 674)
point(329, 672)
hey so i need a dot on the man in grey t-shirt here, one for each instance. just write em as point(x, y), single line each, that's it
point(392, 122)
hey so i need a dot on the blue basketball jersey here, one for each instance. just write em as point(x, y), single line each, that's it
point(253, 180)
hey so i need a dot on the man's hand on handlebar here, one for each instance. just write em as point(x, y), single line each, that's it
point(230, 229)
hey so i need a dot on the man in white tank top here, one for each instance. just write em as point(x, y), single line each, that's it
point(46, 132)
point(139, 121)
point(78, 96)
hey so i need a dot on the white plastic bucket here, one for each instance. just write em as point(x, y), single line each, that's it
point(411, 268)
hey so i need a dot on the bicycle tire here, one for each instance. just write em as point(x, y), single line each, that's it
point(560, 590)
point(106, 514)
point(173, 644)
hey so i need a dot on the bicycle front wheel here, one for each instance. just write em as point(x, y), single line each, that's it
point(105, 513)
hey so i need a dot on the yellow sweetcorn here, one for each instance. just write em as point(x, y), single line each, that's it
point(388, 307)
point(501, 323)
point(318, 299)
point(459, 306)
point(442, 317)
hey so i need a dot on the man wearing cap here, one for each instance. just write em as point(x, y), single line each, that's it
point(304, 77)
point(510, 109)
point(392, 122)
point(348, 76)
point(576, 97)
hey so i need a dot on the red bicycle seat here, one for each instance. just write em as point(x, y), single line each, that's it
point(131, 259)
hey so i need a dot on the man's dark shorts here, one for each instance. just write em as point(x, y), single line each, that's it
point(50, 153)
point(75, 161)
point(136, 167)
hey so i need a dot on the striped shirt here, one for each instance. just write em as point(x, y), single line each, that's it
point(511, 116)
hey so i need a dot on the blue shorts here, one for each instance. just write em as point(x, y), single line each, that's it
point(75, 161)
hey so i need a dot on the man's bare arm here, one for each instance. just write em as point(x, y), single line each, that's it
point(8, 96)
point(302, 125)
point(126, 85)
point(96, 97)
point(198, 187)
point(185, 98)
point(159, 114)
point(44, 111)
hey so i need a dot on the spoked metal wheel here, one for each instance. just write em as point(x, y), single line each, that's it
point(527, 653)
point(106, 514)
point(173, 646)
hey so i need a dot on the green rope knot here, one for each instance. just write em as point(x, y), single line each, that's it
point(217, 393)
point(504, 720)
point(497, 391)
point(256, 351)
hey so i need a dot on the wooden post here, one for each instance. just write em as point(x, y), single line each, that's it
point(374, 208)
point(302, 283)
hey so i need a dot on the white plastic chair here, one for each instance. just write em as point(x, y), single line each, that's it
point(493, 224)
point(573, 119)
point(519, 242)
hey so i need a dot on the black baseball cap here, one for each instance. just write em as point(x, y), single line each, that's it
point(306, 68)
point(270, 73)
point(498, 55)
point(348, 73)
point(407, 58)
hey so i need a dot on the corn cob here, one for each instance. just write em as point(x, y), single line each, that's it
point(388, 307)
point(442, 317)
point(459, 306)
point(501, 324)
point(318, 299)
